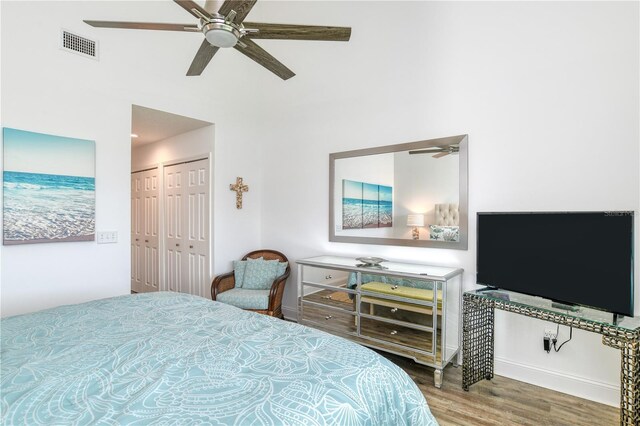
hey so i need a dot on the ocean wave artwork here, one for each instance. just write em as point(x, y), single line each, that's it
point(366, 205)
point(48, 188)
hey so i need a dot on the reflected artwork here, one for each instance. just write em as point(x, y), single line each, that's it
point(366, 205)
point(49, 188)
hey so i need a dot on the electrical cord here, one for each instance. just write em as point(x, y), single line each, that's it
point(555, 340)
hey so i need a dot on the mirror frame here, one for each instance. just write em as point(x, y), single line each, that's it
point(463, 203)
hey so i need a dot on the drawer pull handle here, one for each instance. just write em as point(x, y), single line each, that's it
point(137, 239)
point(328, 317)
point(394, 310)
point(393, 332)
point(146, 241)
point(327, 297)
point(395, 287)
point(190, 246)
point(177, 245)
point(328, 277)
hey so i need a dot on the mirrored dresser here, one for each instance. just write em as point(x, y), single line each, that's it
point(408, 309)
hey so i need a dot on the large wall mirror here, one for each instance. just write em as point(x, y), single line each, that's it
point(411, 194)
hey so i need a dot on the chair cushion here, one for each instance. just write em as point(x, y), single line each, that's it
point(245, 299)
point(282, 268)
point(239, 267)
point(238, 271)
point(259, 275)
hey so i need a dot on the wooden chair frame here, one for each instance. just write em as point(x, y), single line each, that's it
point(227, 281)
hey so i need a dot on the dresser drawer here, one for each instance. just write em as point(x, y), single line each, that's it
point(408, 313)
point(338, 298)
point(331, 319)
point(396, 334)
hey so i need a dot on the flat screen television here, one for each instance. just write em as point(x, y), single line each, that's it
point(578, 258)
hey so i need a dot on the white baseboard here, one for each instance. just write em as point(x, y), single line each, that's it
point(582, 387)
point(290, 313)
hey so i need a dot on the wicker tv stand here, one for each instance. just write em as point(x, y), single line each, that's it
point(478, 338)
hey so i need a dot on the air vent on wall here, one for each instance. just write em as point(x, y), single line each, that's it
point(78, 44)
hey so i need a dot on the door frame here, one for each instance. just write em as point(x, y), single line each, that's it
point(162, 234)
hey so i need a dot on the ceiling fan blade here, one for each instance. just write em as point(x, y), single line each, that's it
point(258, 54)
point(189, 5)
point(298, 32)
point(442, 154)
point(143, 26)
point(202, 58)
point(212, 6)
point(242, 8)
point(429, 151)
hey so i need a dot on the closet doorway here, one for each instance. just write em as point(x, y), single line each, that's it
point(171, 243)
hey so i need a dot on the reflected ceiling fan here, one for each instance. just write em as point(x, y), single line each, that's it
point(223, 27)
point(439, 151)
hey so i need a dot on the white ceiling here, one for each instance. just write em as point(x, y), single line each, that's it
point(152, 125)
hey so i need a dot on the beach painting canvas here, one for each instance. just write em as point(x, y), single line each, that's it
point(48, 188)
point(366, 205)
point(351, 204)
point(369, 205)
point(385, 206)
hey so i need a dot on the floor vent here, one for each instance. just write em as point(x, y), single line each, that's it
point(78, 44)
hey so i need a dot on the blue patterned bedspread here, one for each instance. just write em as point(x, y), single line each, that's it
point(171, 358)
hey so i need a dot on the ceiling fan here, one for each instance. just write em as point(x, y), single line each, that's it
point(223, 27)
point(440, 151)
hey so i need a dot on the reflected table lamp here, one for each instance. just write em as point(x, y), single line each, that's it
point(415, 220)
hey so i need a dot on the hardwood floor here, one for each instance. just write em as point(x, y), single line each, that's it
point(502, 401)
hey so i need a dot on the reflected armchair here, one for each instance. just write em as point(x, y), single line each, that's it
point(264, 301)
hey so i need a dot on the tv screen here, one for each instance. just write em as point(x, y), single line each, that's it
point(583, 258)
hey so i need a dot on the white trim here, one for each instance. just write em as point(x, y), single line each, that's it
point(290, 313)
point(182, 160)
point(593, 390)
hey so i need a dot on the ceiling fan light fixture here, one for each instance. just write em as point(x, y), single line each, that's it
point(221, 35)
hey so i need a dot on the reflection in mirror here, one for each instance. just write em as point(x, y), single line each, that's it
point(410, 194)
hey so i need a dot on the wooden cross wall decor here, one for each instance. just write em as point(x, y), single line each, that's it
point(239, 187)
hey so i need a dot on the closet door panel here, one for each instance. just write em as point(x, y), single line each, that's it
point(137, 270)
point(197, 226)
point(151, 230)
point(144, 231)
point(187, 226)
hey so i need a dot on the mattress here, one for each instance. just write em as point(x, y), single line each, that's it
point(171, 358)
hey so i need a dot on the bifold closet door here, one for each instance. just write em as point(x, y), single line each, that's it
point(187, 226)
point(144, 231)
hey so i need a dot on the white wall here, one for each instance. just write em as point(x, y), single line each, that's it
point(186, 145)
point(547, 91)
point(421, 182)
point(47, 90)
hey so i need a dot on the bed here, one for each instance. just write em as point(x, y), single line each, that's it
point(172, 358)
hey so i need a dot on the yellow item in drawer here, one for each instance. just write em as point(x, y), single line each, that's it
point(401, 291)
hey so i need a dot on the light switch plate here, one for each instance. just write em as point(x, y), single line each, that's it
point(107, 237)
